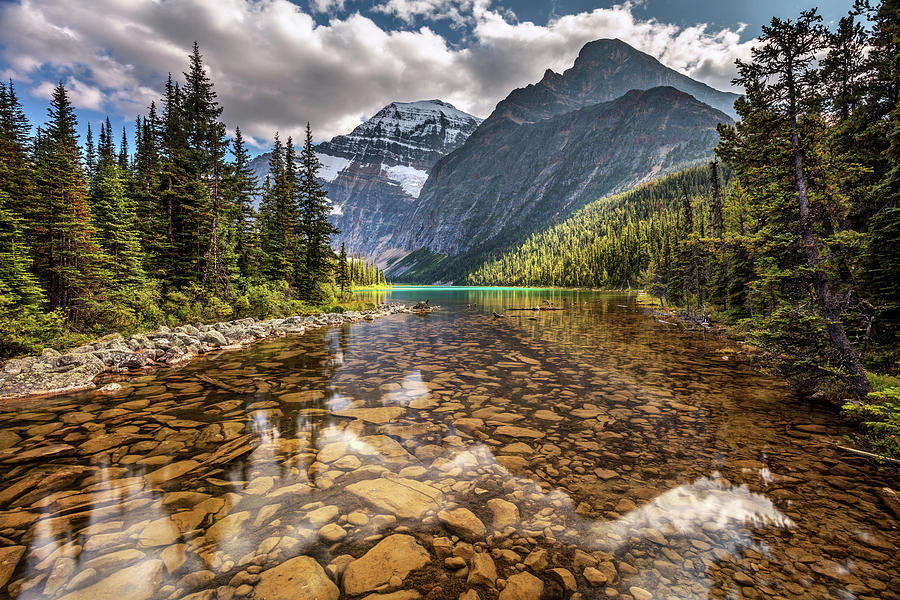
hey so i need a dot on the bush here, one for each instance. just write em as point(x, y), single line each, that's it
point(880, 414)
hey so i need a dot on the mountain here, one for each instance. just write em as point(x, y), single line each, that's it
point(374, 174)
point(614, 120)
point(509, 181)
point(604, 70)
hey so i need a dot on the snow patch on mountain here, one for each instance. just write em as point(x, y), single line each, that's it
point(409, 178)
point(331, 166)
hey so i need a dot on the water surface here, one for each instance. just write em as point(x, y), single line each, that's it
point(592, 448)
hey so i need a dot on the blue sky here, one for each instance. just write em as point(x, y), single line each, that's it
point(277, 64)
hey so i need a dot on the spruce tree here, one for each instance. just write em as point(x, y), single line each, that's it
point(343, 272)
point(90, 153)
point(316, 229)
point(242, 187)
point(277, 215)
point(69, 262)
point(782, 101)
point(114, 217)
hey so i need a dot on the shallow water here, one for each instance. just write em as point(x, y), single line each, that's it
point(592, 448)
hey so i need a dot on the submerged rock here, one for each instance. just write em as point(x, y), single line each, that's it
point(463, 522)
point(300, 578)
point(393, 557)
point(404, 498)
point(522, 586)
point(139, 582)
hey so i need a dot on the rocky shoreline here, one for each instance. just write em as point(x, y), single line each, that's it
point(53, 373)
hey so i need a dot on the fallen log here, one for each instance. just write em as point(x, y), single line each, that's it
point(538, 308)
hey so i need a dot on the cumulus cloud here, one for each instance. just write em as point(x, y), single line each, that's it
point(459, 12)
point(274, 68)
point(326, 6)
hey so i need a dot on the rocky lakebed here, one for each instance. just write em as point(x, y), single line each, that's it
point(572, 454)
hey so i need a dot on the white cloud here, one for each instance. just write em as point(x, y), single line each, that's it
point(82, 95)
point(456, 11)
point(326, 6)
point(275, 69)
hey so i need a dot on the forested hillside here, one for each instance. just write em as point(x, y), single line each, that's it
point(609, 243)
point(98, 238)
point(799, 247)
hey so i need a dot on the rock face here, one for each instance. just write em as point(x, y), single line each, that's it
point(300, 578)
point(513, 178)
point(617, 118)
point(374, 174)
point(393, 557)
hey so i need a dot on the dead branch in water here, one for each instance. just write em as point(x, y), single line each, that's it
point(538, 308)
point(222, 385)
point(868, 454)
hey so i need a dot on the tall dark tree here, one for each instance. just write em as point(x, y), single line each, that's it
point(782, 80)
point(343, 271)
point(278, 215)
point(113, 216)
point(242, 187)
point(316, 229)
point(69, 261)
point(90, 152)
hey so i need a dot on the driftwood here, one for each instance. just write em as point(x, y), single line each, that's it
point(868, 454)
point(538, 308)
point(222, 385)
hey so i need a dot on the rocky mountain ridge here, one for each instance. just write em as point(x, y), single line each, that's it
point(615, 119)
point(374, 174)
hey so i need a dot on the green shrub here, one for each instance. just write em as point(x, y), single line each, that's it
point(880, 414)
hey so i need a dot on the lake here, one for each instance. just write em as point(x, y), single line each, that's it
point(590, 452)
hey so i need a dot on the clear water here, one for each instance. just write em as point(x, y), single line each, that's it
point(656, 460)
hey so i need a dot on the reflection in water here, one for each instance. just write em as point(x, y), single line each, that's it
point(581, 446)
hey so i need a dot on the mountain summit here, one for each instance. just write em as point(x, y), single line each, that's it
point(615, 119)
point(373, 175)
point(604, 70)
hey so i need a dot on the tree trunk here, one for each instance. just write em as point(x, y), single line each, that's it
point(848, 358)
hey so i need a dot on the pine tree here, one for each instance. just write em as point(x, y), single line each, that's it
point(278, 214)
point(123, 153)
point(343, 272)
point(69, 260)
point(90, 153)
point(316, 229)
point(21, 297)
point(174, 191)
point(242, 186)
point(113, 217)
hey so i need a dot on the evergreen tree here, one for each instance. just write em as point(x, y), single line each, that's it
point(343, 273)
point(123, 153)
point(113, 217)
point(90, 153)
point(177, 193)
point(781, 82)
point(316, 229)
point(69, 262)
point(242, 186)
point(277, 215)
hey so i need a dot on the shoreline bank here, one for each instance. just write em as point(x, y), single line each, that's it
point(53, 373)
